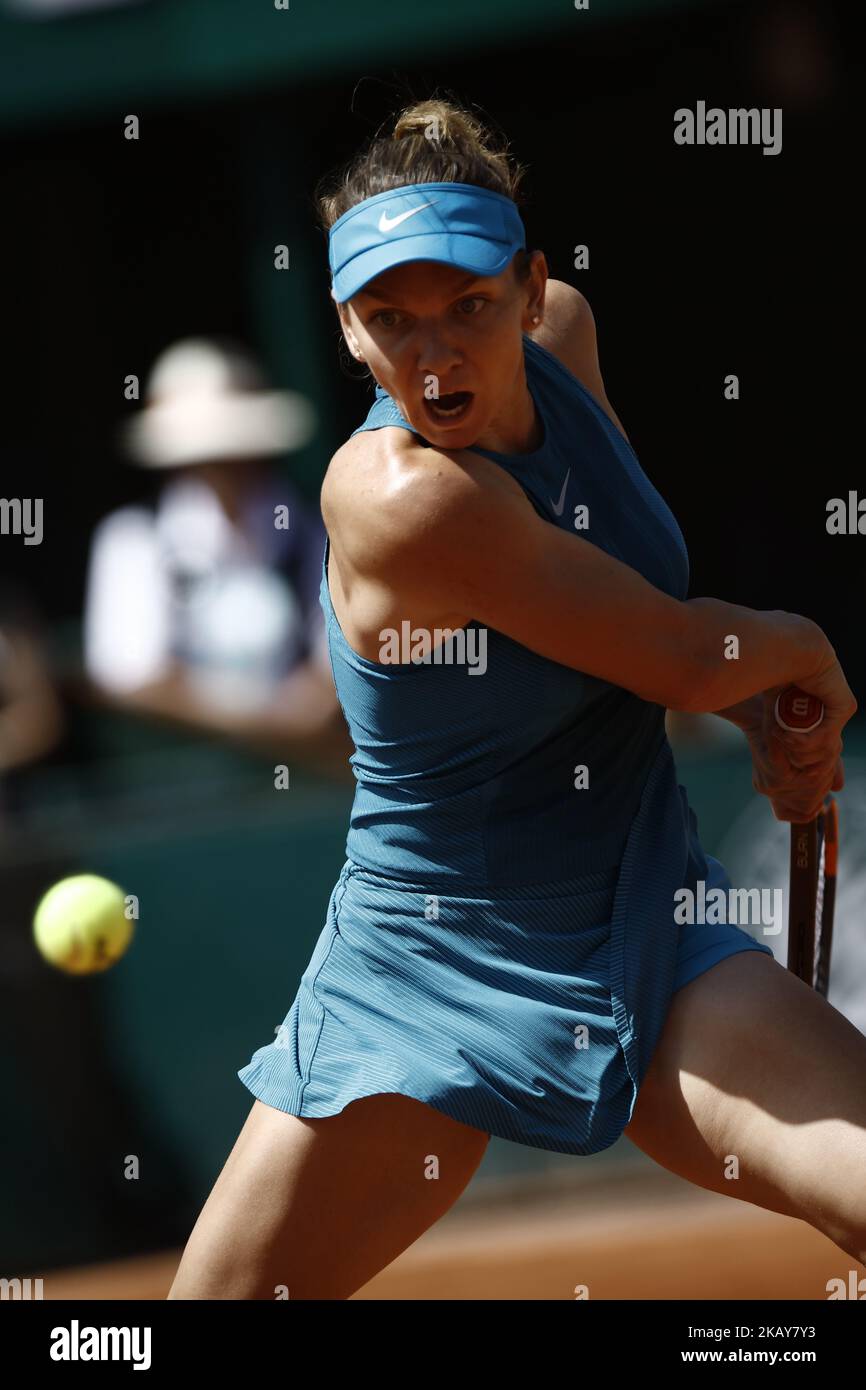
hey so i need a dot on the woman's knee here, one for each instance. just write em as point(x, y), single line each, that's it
point(756, 1090)
point(315, 1208)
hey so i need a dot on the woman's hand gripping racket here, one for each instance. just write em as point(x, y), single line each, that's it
point(814, 855)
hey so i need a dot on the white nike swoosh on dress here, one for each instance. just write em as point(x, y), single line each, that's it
point(558, 506)
point(387, 224)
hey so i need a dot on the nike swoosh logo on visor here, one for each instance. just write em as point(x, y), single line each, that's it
point(387, 224)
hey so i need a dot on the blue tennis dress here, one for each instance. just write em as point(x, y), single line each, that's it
point(501, 942)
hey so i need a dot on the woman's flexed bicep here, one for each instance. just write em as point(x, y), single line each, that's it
point(460, 542)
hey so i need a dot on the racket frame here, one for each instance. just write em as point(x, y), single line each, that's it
point(811, 901)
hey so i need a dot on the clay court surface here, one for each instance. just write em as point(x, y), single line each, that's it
point(638, 1236)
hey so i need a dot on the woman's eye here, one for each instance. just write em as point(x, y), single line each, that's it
point(383, 315)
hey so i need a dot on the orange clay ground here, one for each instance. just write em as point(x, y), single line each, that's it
point(633, 1235)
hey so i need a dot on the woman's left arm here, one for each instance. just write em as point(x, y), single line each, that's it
point(746, 714)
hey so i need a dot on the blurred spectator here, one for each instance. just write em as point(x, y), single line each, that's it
point(31, 719)
point(204, 609)
point(75, 1116)
point(64, 1148)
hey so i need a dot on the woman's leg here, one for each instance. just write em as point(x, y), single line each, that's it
point(320, 1206)
point(754, 1065)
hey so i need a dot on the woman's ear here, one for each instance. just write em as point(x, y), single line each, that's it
point(348, 334)
point(538, 279)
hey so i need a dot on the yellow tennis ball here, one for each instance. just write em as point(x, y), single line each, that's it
point(81, 924)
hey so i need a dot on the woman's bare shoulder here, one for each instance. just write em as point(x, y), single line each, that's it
point(394, 511)
point(365, 471)
point(384, 479)
point(567, 327)
point(568, 331)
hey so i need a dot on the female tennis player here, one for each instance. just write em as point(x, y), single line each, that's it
point(505, 594)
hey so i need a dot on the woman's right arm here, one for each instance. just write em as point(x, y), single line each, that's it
point(447, 532)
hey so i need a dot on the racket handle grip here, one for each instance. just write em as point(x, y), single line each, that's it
point(798, 712)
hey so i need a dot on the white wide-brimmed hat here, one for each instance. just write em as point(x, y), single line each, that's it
point(206, 400)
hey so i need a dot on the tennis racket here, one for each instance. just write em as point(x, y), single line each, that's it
point(814, 862)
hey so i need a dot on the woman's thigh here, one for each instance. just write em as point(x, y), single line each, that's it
point(320, 1206)
point(754, 1066)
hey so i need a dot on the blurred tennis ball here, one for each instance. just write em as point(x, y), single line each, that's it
point(81, 926)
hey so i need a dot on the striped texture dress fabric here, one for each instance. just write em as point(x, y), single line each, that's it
point(499, 944)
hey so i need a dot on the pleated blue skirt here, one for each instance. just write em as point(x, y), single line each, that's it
point(531, 1015)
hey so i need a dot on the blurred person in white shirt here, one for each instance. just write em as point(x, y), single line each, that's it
point(204, 609)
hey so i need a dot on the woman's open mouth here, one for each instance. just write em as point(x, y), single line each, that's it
point(451, 408)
